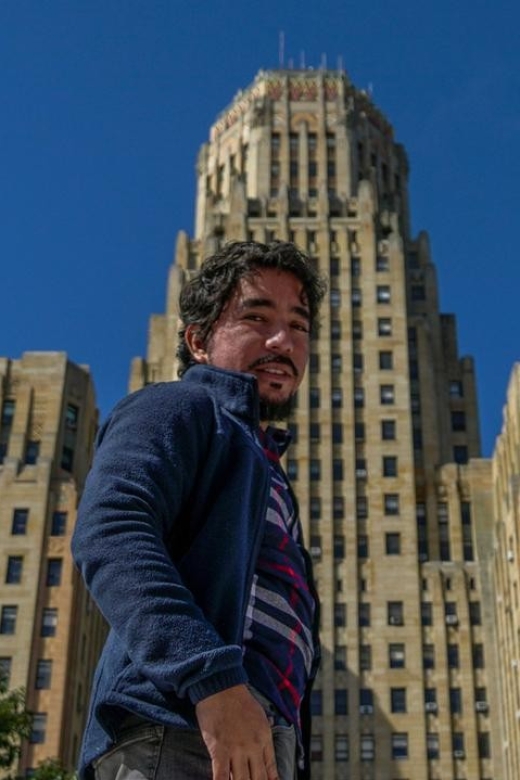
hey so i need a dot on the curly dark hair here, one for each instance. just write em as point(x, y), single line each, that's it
point(205, 295)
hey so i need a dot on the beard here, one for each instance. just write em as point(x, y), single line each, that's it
point(271, 411)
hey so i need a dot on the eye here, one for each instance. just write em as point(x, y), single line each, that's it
point(300, 326)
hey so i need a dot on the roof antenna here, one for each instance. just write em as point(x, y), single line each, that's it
point(340, 63)
point(324, 62)
point(302, 60)
point(281, 48)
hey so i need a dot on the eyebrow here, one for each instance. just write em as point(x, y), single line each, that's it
point(255, 303)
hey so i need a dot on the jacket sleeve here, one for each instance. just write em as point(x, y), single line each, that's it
point(148, 456)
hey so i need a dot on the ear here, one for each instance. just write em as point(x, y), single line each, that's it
point(195, 344)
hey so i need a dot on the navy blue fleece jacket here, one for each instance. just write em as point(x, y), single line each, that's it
point(167, 535)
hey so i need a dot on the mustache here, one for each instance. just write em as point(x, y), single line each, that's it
point(283, 359)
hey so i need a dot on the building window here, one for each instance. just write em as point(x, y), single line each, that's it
point(366, 701)
point(432, 746)
point(426, 613)
point(337, 469)
point(337, 433)
point(457, 740)
point(395, 613)
point(399, 747)
point(359, 397)
point(314, 363)
point(340, 657)
point(340, 615)
point(338, 507)
point(386, 360)
point(339, 547)
point(314, 397)
point(337, 398)
point(315, 547)
point(389, 466)
point(335, 330)
point(430, 699)
point(428, 657)
point(453, 656)
point(355, 266)
point(361, 468)
point(341, 747)
point(314, 432)
point(362, 546)
point(384, 326)
point(292, 469)
point(8, 410)
point(387, 430)
point(32, 451)
point(335, 297)
point(386, 394)
point(59, 524)
point(475, 616)
point(458, 421)
point(478, 656)
point(393, 543)
point(398, 699)
point(391, 504)
point(315, 507)
point(49, 621)
point(365, 658)
point(455, 701)
point(383, 293)
point(71, 417)
point(336, 363)
point(54, 569)
point(484, 745)
point(316, 702)
point(396, 655)
point(460, 454)
point(456, 389)
point(361, 507)
point(357, 297)
point(6, 663)
point(13, 574)
point(19, 523)
point(67, 458)
point(8, 617)
point(316, 748)
point(39, 727)
point(364, 615)
point(382, 263)
point(315, 469)
point(418, 292)
point(357, 362)
point(43, 674)
point(340, 702)
point(357, 330)
point(367, 752)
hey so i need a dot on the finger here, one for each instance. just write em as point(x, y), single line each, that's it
point(221, 769)
point(270, 763)
point(240, 769)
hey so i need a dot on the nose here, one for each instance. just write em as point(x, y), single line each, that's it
point(280, 339)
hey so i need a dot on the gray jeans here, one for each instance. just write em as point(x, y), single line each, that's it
point(149, 751)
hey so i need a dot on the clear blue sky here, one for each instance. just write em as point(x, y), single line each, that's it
point(104, 104)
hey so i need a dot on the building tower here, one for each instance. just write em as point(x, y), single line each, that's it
point(385, 427)
point(50, 634)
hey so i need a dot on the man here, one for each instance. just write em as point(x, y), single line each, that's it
point(189, 539)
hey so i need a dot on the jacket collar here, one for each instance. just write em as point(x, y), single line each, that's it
point(236, 391)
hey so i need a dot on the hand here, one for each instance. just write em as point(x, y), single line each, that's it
point(237, 735)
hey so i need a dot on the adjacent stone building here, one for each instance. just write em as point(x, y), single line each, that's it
point(385, 459)
point(50, 633)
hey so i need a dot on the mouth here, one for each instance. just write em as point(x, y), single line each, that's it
point(276, 367)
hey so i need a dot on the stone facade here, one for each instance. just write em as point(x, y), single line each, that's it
point(385, 459)
point(50, 634)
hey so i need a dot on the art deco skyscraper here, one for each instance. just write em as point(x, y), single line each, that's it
point(50, 633)
point(385, 429)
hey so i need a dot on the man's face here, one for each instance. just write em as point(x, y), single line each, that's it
point(263, 330)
